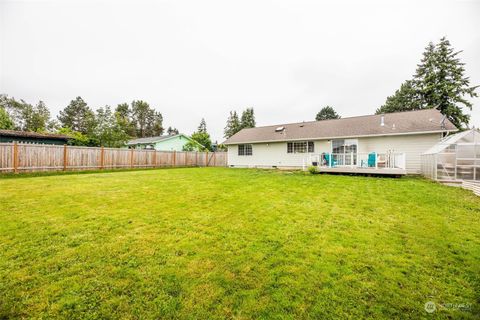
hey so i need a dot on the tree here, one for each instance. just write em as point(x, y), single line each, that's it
point(24, 116)
point(405, 99)
point(5, 121)
point(146, 120)
point(442, 83)
point(439, 82)
point(202, 128)
point(202, 137)
point(77, 138)
point(327, 113)
point(233, 125)
point(157, 124)
point(108, 132)
point(36, 117)
point(123, 115)
point(78, 116)
point(248, 119)
point(172, 131)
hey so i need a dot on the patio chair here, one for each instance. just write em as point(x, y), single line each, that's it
point(372, 158)
point(326, 158)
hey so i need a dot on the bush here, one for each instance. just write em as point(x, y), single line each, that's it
point(312, 169)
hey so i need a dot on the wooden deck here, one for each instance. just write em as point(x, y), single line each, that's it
point(367, 171)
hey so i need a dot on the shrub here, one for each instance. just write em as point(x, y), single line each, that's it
point(312, 169)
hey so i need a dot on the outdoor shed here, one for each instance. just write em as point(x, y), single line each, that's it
point(8, 136)
point(455, 158)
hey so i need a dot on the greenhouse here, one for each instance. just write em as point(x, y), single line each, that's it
point(456, 158)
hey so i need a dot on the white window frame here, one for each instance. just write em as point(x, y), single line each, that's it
point(245, 150)
point(306, 143)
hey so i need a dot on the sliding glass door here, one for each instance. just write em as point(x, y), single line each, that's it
point(344, 151)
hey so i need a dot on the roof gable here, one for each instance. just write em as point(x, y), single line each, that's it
point(409, 122)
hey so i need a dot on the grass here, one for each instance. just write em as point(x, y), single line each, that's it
point(205, 243)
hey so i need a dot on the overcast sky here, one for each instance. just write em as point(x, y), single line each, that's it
point(194, 59)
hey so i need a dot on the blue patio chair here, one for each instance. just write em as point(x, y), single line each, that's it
point(372, 158)
point(326, 157)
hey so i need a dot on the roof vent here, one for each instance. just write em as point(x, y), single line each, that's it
point(382, 120)
point(279, 129)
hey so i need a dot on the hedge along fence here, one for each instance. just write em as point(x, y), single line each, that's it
point(39, 157)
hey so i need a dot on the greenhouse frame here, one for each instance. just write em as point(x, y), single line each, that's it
point(455, 158)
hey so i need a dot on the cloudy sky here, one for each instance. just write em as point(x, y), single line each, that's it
point(194, 59)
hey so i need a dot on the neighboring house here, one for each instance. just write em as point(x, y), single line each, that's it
point(396, 140)
point(163, 143)
point(32, 137)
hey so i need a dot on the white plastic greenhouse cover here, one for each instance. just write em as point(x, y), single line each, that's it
point(449, 140)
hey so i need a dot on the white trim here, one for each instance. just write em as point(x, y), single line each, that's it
point(342, 137)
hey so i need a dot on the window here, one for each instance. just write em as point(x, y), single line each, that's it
point(300, 147)
point(244, 149)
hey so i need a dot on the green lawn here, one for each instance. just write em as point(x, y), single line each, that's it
point(207, 243)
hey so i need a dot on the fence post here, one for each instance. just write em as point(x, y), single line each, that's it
point(174, 158)
point(185, 160)
point(196, 158)
point(154, 158)
point(131, 157)
point(214, 159)
point(15, 157)
point(206, 159)
point(65, 155)
point(102, 157)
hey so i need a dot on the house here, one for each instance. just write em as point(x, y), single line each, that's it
point(32, 137)
point(384, 143)
point(163, 143)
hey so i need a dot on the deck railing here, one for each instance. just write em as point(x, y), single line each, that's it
point(387, 160)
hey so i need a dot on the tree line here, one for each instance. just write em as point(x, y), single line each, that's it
point(104, 127)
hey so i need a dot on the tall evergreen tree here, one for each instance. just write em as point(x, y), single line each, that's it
point(327, 113)
point(146, 120)
point(405, 99)
point(123, 113)
point(248, 119)
point(439, 82)
point(202, 127)
point(156, 124)
point(202, 137)
point(233, 125)
point(78, 117)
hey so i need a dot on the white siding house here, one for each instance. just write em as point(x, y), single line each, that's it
point(298, 145)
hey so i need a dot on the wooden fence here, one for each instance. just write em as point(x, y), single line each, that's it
point(40, 157)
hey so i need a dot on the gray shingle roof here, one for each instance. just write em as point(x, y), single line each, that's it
point(28, 134)
point(428, 120)
point(150, 139)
